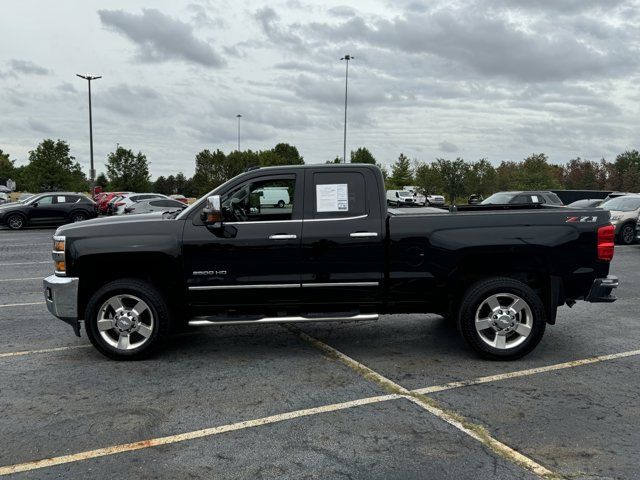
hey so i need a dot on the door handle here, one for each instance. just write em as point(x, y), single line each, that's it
point(282, 236)
point(363, 234)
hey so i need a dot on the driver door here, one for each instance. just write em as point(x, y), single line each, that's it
point(254, 260)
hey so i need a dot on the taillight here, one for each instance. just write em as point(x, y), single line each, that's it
point(606, 242)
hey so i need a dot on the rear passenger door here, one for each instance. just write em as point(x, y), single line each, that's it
point(342, 238)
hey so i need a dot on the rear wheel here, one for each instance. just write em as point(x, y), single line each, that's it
point(281, 204)
point(127, 319)
point(627, 234)
point(501, 318)
point(16, 222)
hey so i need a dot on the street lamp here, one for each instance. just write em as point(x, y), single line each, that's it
point(238, 117)
point(346, 89)
point(92, 171)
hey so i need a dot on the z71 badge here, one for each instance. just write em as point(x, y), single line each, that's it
point(588, 219)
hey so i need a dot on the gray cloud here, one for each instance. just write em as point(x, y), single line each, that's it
point(27, 67)
point(39, 126)
point(160, 37)
point(448, 147)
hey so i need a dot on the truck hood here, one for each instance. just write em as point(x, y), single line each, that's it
point(111, 223)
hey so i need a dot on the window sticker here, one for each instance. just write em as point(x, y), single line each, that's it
point(60, 199)
point(534, 199)
point(332, 197)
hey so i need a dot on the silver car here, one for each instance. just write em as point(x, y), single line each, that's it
point(155, 205)
point(624, 216)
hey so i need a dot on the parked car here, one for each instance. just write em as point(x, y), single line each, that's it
point(4, 198)
point(506, 198)
point(155, 205)
point(106, 197)
point(586, 203)
point(119, 205)
point(418, 197)
point(47, 209)
point(624, 216)
point(180, 198)
point(475, 199)
point(400, 198)
point(337, 254)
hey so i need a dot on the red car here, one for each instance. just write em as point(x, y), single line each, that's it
point(104, 200)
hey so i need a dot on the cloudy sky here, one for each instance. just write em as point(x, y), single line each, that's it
point(488, 78)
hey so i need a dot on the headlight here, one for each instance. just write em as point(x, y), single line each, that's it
point(58, 254)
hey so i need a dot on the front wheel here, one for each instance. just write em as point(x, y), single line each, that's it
point(627, 234)
point(16, 222)
point(281, 204)
point(127, 319)
point(78, 217)
point(501, 318)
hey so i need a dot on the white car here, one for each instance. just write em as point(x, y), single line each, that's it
point(125, 201)
point(274, 196)
point(400, 198)
point(4, 198)
point(435, 200)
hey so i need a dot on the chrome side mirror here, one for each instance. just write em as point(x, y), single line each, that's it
point(212, 213)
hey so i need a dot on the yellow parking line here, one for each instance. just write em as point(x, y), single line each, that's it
point(525, 373)
point(43, 350)
point(205, 432)
point(20, 304)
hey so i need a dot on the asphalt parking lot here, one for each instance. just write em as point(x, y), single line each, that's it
point(399, 398)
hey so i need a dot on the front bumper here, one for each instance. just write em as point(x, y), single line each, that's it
point(602, 290)
point(61, 296)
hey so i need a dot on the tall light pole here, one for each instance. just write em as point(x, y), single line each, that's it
point(92, 171)
point(238, 117)
point(346, 90)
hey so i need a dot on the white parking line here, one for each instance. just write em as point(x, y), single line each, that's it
point(43, 350)
point(19, 279)
point(476, 432)
point(205, 432)
point(20, 304)
point(24, 263)
point(530, 371)
point(397, 392)
point(2, 245)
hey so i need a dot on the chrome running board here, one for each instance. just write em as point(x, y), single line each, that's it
point(206, 321)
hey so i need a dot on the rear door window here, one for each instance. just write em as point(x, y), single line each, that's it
point(338, 195)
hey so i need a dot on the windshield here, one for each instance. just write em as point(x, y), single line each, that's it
point(405, 194)
point(497, 198)
point(622, 204)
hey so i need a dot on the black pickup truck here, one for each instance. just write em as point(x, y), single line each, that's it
point(332, 252)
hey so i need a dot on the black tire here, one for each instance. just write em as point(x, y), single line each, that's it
point(157, 305)
point(627, 234)
point(475, 296)
point(78, 217)
point(281, 204)
point(16, 221)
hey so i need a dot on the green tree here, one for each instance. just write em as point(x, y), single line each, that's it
point(52, 168)
point(128, 171)
point(335, 160)
point(401, 174)
point(481, 178)
point(535, 173)
point(624, 172)
point(101, 181)
point(507, 176)
point(363, 155)
point(453, 174)
point(213, 169)
point(288, 154)
point(427, 178)
point(7, 168)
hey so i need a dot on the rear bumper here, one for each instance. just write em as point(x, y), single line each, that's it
point(61, 296)
point(602, 290)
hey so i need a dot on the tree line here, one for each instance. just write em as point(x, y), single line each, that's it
point(51, 167)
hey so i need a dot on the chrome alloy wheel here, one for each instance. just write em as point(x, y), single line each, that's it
point(125, 322)
point(16, 222)
point(504, 321)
